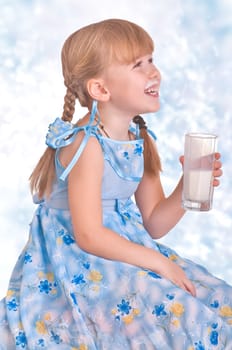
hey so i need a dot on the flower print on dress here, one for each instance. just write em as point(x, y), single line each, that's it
point(138, 149)
point(153, 274)
point(177, 309)
point(86, 265)
point(95, 276)
point(78, 279)
point(27, 258)
point(225, 311)
point(88, 279)
point(169, 312)
point(56, 338)
point(159, 310)
point(12, 305)
point(164, 250)
point(124, 307)
point(170, 296)
point(214, 334)
point(199, 346)
point(21, 340)
point(126, 155)
point(47, 286)
point(41, 343)
point(41, 327)
point(215, 304)
point(64, 237)
point(81, 347)
point(125, 312)
point(68, 239)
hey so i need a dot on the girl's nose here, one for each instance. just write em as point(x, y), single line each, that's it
point(154, 72)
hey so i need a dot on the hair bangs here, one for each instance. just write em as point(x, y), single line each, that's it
point(124, 42)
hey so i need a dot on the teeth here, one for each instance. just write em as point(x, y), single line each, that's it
point(151, 91)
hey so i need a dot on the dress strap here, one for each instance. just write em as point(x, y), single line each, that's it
point(61, 134)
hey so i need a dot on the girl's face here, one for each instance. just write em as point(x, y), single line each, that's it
point(134, 88)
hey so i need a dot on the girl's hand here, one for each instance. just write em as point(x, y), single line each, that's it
point(217, 171)
point(176, 275)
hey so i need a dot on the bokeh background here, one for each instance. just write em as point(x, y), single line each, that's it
point(193, 51)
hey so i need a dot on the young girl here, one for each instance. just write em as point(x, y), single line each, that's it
point(92, 275)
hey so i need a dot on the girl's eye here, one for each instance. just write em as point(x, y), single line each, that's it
point(140, 63)
point(137, 64)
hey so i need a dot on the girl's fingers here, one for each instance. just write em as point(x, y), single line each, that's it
point(217, 164)
point(216, 182)
point(189, 287)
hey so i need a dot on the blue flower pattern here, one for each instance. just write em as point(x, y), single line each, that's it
point(12, 305)
point(78, 279)
point(27, 258)
point(21, 340)
point(45, 286)
point(124, 307)
point(159, 310)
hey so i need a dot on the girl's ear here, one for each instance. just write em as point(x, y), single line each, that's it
point(97, 90)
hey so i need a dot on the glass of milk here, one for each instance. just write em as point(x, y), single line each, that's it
point(199, 156)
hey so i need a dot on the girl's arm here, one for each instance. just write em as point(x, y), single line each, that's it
point(84, 191)
point(160, 213)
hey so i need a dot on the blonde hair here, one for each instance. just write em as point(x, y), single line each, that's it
point(85, 54)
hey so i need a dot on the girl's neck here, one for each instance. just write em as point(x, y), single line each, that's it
point(128, 136)
point(115, 124)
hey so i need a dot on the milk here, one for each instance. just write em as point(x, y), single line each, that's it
point(197, 185)
point(199, 156)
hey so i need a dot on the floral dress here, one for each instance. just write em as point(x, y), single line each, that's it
point(62, 298)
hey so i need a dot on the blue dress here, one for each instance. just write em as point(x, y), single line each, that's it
point(62, 298)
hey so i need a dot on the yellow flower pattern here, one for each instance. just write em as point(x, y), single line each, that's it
point(177, 309)
point(83, 347)
point(128, 319)
point(142, 273)
point(9, 293)
point(95, 276)
point(41, 327)
point(175, 323)
point(225, 311)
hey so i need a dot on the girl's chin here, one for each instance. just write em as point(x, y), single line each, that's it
point(154, 108)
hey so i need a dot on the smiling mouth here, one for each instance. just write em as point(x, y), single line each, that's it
point(152, 92)
point(152, 89)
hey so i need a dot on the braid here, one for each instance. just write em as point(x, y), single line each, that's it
point(152, 163)
point(69, 105)
point(140, 121)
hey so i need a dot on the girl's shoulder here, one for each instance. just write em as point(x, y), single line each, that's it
point(87, 148)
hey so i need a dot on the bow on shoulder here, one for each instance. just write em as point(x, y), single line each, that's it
point(60, 133)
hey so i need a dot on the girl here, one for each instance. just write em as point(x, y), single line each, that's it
point(92, 275)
